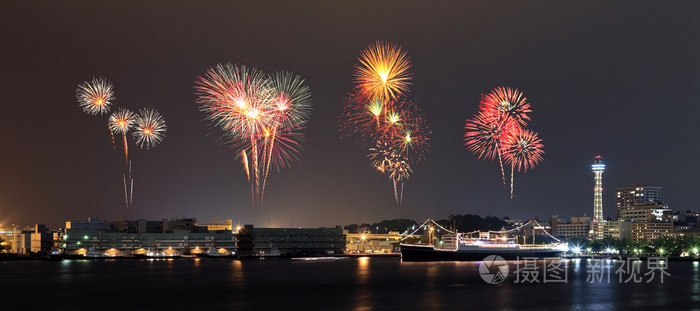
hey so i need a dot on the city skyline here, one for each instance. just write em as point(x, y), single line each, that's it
point(602, 79)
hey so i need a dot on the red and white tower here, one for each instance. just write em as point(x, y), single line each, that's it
point(598, 169)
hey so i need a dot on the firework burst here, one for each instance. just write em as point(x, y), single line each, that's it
point(523, 150)
point(150, 128)
point(383, 71)
point(121, 122)
point(498, 130)
point(380, 117)
point(262, 116)
point(387, 159)
point(510, 104)
point(95, 97)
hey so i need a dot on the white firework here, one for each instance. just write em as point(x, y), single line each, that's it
point(95, 97)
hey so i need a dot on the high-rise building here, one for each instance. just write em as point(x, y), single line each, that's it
point(628, 197)
point(598, 168)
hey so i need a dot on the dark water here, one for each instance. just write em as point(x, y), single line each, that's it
point(352, 284)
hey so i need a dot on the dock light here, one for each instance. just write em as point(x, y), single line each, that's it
point(77, 243)
point(576, 250)
point(85, 237)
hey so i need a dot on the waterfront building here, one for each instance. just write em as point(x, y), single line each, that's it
point(216, 226)
point(290, 241)
point(628, 197)
point(92, 223)
point(577, 227)
point(372, 242)
point(608, 229)
point(130, 237)
point(649, 230)
point(634, 230)
point(6, 238)
point(598, 168)
point(647, 212)
point(687, 222)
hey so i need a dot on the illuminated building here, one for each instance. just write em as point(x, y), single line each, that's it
point(598, 169)
point(578, 227)
point(372, 242)
point(129, 237)
point(627, 197)
point(647, 212)
point(608, 229)
point(216, 226)
point(649, 230)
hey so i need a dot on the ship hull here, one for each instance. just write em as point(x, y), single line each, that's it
point(429, 253)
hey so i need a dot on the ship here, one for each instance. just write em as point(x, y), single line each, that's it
point(465, 247)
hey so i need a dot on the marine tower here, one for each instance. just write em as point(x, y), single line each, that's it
point(598, 168)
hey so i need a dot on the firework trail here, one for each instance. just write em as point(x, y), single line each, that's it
point(380, 117)
point(497, 130)
point(95, 97)
point(120, 122)
point(262, 116)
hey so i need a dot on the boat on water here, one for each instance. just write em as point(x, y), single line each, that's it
point(477, 252)
point(455, 247)
point(319, 258)
point(272, 252)
point(92, 253)
point(215, 253)
point(151, 254)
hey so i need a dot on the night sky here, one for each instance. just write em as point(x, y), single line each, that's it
point(615, 79)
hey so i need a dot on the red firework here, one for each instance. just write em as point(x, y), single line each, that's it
point(485, 133)
point(523, 149)
point(511, 104)
point(498, 130)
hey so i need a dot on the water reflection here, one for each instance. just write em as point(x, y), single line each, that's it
point(358, 284)
point(363, 295)
point(431, 293)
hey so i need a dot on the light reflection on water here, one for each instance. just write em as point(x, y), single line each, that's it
point(353, 284)
point(363, 294)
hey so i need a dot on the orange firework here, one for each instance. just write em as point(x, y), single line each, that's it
point(381, 119)
point(383, 71)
